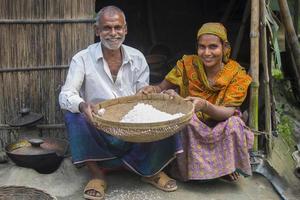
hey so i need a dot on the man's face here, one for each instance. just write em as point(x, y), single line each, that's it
point(112, 30)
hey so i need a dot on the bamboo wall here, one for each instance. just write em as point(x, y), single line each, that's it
point(37, 40)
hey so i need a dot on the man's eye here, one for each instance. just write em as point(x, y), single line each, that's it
point(118, 28)
point(106, 28)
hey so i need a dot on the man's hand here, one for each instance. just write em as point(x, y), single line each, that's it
point(87, 110)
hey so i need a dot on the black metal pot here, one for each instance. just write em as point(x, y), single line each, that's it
point(44, 155)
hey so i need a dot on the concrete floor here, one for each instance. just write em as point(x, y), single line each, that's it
point(67, 184)
point(125, 186)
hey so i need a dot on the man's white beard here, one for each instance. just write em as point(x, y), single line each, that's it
point(110, 46)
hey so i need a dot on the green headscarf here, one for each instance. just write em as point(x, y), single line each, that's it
point(219, 30)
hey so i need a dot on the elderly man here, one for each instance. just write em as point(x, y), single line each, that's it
point(107, 70)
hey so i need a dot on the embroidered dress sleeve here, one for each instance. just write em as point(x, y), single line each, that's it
point(177, 76)
point(236, 91)
point(69, 98)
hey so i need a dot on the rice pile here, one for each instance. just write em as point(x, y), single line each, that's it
point(145, 113)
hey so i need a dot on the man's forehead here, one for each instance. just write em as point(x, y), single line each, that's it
point(116, 17)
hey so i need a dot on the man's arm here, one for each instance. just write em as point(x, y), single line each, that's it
point(144, 75)
point(69, 98)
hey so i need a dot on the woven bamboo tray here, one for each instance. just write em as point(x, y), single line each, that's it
point(23, 193)
point(115, 109)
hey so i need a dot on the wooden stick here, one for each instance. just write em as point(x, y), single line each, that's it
point(254, 71)
point(264, 57)
point(291, 34)
point(151, 22)
point(24, 69)
point(45, 21)
point(239, 38)
point(296, 16)
point(38, 126)
point(295, 70)
point(228, 11)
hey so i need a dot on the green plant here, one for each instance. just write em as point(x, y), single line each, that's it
point(285, 129)
point(277, 74)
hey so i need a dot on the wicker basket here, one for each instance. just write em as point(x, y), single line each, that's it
point(115, 109)
point(23, 193)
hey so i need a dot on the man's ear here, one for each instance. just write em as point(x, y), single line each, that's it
point(97, 30)
point(125, 29)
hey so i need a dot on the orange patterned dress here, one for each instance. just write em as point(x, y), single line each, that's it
point(212, 152)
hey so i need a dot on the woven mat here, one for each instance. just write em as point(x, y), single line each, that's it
point(23, 193)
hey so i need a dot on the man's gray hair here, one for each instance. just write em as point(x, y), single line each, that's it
point(110, 10)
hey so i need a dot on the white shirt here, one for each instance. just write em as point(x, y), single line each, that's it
point(89, 78)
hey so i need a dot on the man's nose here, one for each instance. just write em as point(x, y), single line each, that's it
point(113, 31)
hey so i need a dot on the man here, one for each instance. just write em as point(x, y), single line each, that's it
point(103, 71)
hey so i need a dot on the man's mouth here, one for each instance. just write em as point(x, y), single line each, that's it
point(114, 39)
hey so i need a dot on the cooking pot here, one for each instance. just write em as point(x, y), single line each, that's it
point(42, 154)
point(25, 118)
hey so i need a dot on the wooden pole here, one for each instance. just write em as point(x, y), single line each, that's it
point(291, 34)
point(151, 22)
point(239, 37)
point(295, 70)
point(264, 59)
point(254, 69)
point(228, 11)
point(296, 17)
point(45, 21)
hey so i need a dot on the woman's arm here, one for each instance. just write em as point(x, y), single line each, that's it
point(164, 85)
point(218, 113)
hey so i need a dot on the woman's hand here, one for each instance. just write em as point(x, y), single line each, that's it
point(218, 113)
point(149, 89)
point(199, 103)
point(171, 92)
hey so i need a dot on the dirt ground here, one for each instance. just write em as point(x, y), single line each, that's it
point(67, 184)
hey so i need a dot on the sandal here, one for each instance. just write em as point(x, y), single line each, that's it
point(161, 181)
point(98, 186)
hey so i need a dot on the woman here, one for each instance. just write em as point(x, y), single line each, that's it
point(216, 141)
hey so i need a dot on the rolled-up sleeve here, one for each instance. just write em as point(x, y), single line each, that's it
point(143, 77)
point(69, 98)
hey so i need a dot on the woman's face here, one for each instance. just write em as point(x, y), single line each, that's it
point(210, 50)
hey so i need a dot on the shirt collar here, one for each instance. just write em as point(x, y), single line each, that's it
point(126, 57)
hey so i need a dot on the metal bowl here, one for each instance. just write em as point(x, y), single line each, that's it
point(44, 155)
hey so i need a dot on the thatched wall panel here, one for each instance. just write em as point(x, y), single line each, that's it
point(37, 90)
point(46, 9)
point(42, 45)
point(33, 46)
